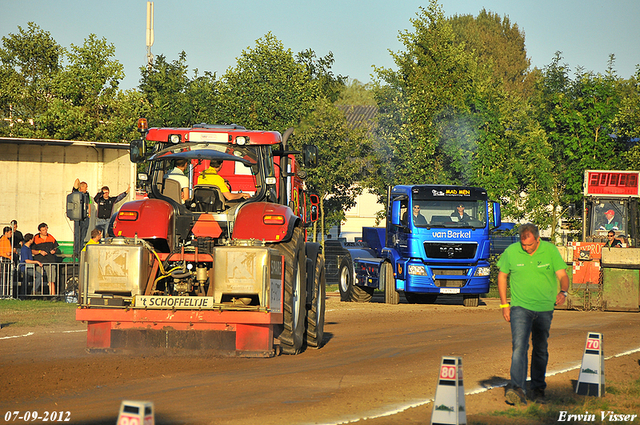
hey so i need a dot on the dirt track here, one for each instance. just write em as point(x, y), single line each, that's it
point(377, 359)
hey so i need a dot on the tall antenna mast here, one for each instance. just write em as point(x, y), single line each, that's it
point(149, 33)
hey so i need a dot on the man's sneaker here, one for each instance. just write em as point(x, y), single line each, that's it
point(537, 396)
point(515, 397)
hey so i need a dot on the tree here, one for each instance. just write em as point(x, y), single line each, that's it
point(85, 96)
point(267, 89)
point(320, 71)
point(435, 79)
point(176, 99)
point(356, 93)
point(498, 43)
point(342, 151)
point(578, 119)
point(29, 62)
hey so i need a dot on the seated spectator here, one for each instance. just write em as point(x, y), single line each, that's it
point(44, 249)
point(26, 259)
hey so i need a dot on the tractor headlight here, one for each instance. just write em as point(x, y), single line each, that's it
point(174, 138)
point(242, 140)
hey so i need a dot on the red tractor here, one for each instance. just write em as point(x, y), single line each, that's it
point(217, 259)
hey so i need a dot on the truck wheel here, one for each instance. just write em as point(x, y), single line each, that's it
point(349, 291)
point(315, 315)
point(420, 298)
point(391, 296)
point(471, 300)
point(292, 335)
point(345, 281)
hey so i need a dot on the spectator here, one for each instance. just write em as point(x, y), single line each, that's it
point(210, 176)
point(26, 257)
point(44, 250)
point(104, 204)
point(5, 244)
point(177, 174)
point(96, 235)
point(81, 226)
point(5, 254)
point(17, 237)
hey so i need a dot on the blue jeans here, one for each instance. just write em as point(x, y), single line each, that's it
point(102, 224)
point(524, 324)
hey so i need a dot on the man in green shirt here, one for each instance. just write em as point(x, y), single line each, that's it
point(533, 268)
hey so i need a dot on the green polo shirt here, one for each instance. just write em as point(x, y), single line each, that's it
point(532, 278)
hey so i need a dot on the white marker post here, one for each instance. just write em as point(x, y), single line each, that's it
point(591, 380)
point(136, 413)
point(448, 406)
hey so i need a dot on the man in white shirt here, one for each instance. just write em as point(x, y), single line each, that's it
point(177, 174)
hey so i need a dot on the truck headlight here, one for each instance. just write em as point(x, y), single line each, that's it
point(417, 270)
point(483, 271)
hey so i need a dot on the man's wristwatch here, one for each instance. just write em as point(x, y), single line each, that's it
point(565, 293)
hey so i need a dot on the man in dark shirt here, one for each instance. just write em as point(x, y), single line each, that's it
point(81, 226)
point(459, 213)
point(105, 204)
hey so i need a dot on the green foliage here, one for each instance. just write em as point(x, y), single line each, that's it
point(342, 151)
point(356, 94)
point(42, 98)
point(267, 89)
point(320, 71)
point(421, 99)
point(177, 100)
point(499, 44)
point(29, 62)
point(578, 118)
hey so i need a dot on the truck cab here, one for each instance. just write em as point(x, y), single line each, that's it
point(436, 242)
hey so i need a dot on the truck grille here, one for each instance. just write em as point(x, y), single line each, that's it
point(456, 251)
point(449, 283)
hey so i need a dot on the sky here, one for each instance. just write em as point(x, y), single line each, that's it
point(360, 33)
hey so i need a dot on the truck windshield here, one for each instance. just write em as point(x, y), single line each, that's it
point(449, 213)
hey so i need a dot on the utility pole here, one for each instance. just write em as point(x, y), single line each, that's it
point(150, 35)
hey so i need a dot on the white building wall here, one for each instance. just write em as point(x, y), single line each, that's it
point(363, 214)
point(35, 180)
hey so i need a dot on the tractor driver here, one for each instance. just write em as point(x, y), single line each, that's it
point(211, 177)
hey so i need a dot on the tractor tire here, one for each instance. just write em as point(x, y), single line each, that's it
point(391, 296)
point(315, 315)
point(349, 291)
point(292, 335)
point(420, 298)
point(471, 300)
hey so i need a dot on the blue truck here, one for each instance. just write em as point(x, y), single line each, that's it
point(436, 242)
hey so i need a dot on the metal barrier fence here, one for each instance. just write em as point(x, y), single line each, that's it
point(52, 280)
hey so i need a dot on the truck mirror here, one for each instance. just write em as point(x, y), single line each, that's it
point(310, 156)
point(137, 151)
point(395, 213)
point(497, 220)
